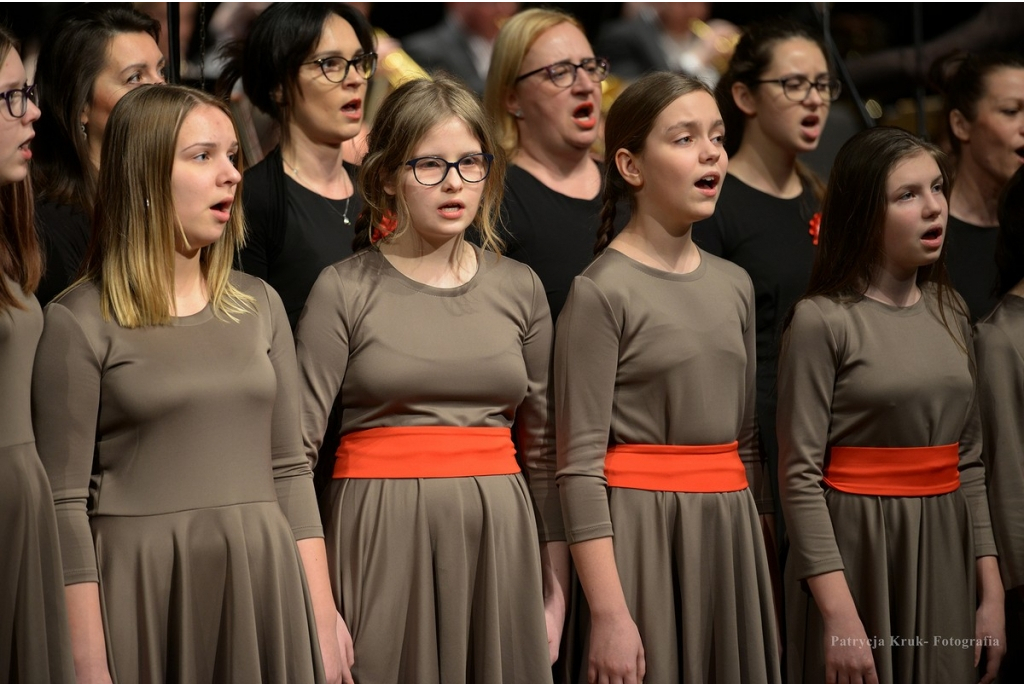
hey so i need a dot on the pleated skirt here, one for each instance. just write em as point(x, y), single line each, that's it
point(695, 576)
point(911, 568)
point(439, 579)
point(206, 595)
point(34, 639)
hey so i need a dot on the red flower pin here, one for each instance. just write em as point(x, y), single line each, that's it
point(815, 228)
point(386, 227)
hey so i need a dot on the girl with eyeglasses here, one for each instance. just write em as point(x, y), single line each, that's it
point(34, 639)
point(892, 574)
point(544, 92)
point(654, 391)
point(444, 530)
point(775, 100)
point(307, 66)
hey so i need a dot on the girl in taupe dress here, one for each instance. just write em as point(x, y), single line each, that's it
point(659, 472)
point(34, 644)
point(448, 562)
point(892, 574)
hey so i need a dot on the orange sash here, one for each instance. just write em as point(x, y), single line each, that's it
point(426, 452)
point(894, 471)
point(676, 468)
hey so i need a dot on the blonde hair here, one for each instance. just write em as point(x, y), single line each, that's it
point(136, 224)
point(514, 40)
point(404, 118)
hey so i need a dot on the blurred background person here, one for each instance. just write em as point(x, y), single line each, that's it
point(95, 54)
point(462, 43)
point(984, 109)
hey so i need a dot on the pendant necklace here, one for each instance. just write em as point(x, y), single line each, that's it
point(343, 213)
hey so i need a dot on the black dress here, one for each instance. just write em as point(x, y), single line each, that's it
point(293, 233)
point(971, 260)
point(771, 238)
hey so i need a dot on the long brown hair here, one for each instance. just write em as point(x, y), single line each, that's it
point(850, 248)
point(19, 250)
point(135, 224)
point(629, 122)
point(404, 118)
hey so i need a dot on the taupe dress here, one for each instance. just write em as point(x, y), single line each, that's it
point(867, 374)
point(181, 487)
point(999, 344)
point(643, 356)
point(34, 645)
point(438, 579)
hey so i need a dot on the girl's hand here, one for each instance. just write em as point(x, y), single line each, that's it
point(848, 657)
point(616, 652)
point(554, 616)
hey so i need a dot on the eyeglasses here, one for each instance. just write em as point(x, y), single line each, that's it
point(336, 68)
point(798, 88)
point(18, 99)
point(563, 74)
point(430, 171)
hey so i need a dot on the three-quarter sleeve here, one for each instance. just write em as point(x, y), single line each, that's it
point(808, 364)
point(322, 347)
point(1001, 400)
point(293, 476)
point(535, 418)
point(65, 406)
point(586, 362)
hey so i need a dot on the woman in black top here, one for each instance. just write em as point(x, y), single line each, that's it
point(307, 66)
point(544, 93)
point(95, 54)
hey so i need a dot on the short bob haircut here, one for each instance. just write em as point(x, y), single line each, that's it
point(279, 41)
point(514, 40)
point(72, 57)
point(627, 127)
point(962, 78)
point(853, 213)
point(19, 250)
point(136, 226)
point(1010, 243)
point(404, 118)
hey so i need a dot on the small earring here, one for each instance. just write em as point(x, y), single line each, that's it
point(518, 114)
point(147, 203)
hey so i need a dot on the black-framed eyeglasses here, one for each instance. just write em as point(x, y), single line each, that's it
point(563, 74)
point(17, 100)
point(430, 171)
point(798, 88)
point(336, 68)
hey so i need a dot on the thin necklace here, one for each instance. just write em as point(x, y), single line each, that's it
point(344, 211)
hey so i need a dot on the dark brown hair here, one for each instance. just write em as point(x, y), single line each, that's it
point(279, 41)
point(1010, 243)
point(19, 250)
point(962, 78)
point(72, 57)
point(851, 243)
point(752, 57)
point(629, 122)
